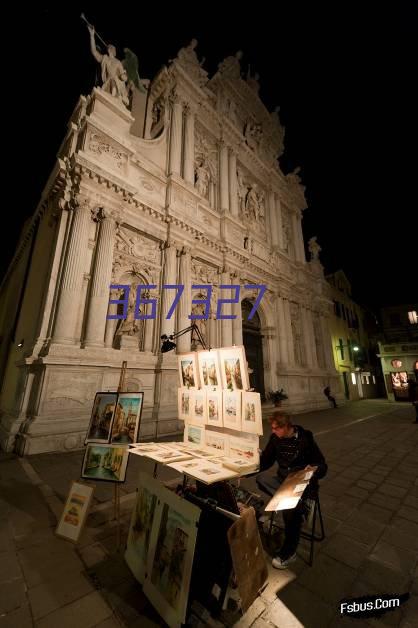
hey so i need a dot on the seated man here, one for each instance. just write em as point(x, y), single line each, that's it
point(293, 448)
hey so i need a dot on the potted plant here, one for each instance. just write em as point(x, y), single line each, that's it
point(277, 396)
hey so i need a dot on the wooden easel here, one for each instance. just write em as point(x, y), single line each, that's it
point(116, 494)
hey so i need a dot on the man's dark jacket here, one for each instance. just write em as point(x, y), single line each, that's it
point(306, 452)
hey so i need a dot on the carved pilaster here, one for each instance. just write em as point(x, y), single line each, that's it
point(73, 275)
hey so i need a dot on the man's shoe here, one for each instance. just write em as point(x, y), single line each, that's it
point(279, 563)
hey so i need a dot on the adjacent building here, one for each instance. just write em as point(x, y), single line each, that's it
point(398, 348)
point(353, 349)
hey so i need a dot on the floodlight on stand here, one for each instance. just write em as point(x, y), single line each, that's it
point(169, 345)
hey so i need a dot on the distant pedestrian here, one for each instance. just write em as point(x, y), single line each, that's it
point(413, 395)
point(327, 393)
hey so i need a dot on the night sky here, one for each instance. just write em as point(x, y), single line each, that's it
point(343, 74)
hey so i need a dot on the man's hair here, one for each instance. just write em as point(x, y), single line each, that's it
point(280, 419)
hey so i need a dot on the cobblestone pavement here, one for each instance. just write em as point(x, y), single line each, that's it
point(369, 500)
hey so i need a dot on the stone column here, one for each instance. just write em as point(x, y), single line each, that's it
point(233, 184)
point(273, 220)
point(312, 338)
point(223, 157)
point(149, 329)
point(189, 145)
point(298, 238)
point(237, 322)
point(289, 334)
point(307, 336)
point(212, 194)
point(170, 278)
point(100, 285)
point(213, 336)
point(72, 277)
point(176, 135)
point(185, 305)
point(111, 323)
point(282, 331)
point(279, 221)
point(226, 323)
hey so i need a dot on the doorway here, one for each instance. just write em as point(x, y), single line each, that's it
point(253, 343)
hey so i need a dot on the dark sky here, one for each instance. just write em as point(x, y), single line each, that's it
point(344, 75)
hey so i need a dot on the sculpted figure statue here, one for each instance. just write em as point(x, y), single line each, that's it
point(231, 65)
point(114, 75)
point(314, 248)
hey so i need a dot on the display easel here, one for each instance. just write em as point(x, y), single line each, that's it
point(116, 494)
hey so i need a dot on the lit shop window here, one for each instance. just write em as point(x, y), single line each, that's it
point(353, 378)
point(374, 379)
point(396, 363)
point(413, 318)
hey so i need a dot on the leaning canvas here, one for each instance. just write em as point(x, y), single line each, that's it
point(75, 511)
point(127, 418)
point(252, 421)
point(101, 418)
point(170, 557)
point(209, 371)
point(234, 370)
point(138, 544)
point(188, 370)
point(105, 462)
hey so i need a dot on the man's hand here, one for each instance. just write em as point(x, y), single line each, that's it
point(91, 29)
point(310, 468)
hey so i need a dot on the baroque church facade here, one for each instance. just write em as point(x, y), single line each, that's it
point(183, 188)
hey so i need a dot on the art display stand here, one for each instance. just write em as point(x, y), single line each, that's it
point(116, 495)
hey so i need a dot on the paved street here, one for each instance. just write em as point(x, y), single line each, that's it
point(369, 500)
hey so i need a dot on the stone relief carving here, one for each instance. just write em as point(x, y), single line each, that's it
point(187, 59)
point(133, 244)
point(205, 165)
point(99, 145)
point(297, 333)
point(157, 116)
point(251, 200)
point(203, 274)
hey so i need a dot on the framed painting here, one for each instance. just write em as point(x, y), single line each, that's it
point(170, 557)
point(138, 544)
point(194, 434)
point(231, 401)
point(214, 412)
point(199, 410)
point(234, 371)
point(209, 371)
point(188, 370)
point(218, 442)
point(246, 448)
point(105, 462)
point(75, 511)
point(127, 418)
point(185, 401)
point(252, 421)
point(101, 419)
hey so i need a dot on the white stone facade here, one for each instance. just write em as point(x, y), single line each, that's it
point(186, 189)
